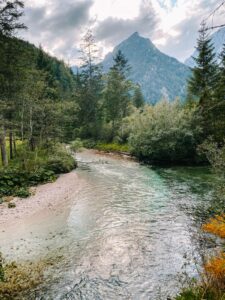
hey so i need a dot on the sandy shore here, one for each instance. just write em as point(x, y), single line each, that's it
point(46, 198)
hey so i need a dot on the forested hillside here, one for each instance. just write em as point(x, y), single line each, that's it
point(36, 104)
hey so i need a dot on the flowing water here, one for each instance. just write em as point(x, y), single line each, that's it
point(127, 234)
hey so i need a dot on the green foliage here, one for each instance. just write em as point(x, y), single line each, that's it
point(165, 133)
point(42, 175)
point(60, 161)
point(2, 273)
point(10, 13)
point(32, 168)
point(76, 145)
point(88, 89)
point(17, 280)
point(15, 181)
point(60, 165)
point(89, 143)
point(113, 147)
point(207, 86)
point(138, 98)
point(197, 293)
point(117, 94)
point(22, 192)
point(216, 156)
point(203, 79)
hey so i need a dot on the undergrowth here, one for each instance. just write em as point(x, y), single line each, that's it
point(32, 168)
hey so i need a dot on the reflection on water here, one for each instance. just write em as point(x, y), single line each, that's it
point(125, 235)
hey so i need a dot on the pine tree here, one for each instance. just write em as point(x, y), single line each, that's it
point(219, 107)
point(89, 86)
point(202, 84)
point(10, 13)
point(138, 98)
point(117, 93)
point(121, 64)
point(221, 77)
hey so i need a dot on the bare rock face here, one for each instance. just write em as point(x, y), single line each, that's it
point(159, 75)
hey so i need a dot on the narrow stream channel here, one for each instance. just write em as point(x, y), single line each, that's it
point(127, 233)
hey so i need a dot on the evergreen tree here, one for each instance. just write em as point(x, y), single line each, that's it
point(138, 98)
point(221, 77)
point(202, 84)
point(117, 93)
point(10, 13)
point(121, 64)
point(219, 107)
point(89, 86)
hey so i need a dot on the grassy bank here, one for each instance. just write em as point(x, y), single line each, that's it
point(30, 168)
point(101, 146)
point(211, 285)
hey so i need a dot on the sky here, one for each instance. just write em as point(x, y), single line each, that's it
point(172, 25)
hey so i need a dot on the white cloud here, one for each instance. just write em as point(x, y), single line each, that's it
point(171, 24)
point(125, 9)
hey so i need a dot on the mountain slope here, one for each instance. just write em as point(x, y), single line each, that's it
point(218, 39)
point(158, 74)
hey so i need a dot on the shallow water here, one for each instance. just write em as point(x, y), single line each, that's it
point(126, 235)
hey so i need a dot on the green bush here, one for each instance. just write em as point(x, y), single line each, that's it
point(61, 161)
point(22, 192)
point(198, 293)
point(76, 145)
point(14, 182)
point(89, 143)
point(112, 147)
point(33, 170)
point(60, 165)
point(40, 176)
point(165, 133)
point(2, 273)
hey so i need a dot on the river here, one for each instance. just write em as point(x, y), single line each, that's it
point(127, 234)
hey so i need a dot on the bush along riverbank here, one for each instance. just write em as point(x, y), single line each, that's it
point(31, 168)
point(113, 147)
point(211, 285)
point(17, 280)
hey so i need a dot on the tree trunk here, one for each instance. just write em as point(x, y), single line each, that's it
point(3, 148)
point(31, 140)
point(22, 122)
point(10, 144)
point(14, 145)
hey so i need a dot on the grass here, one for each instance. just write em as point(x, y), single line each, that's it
point(17, 281)
point(18, 144)
point(212, 278)
point(113, 147)
point(31, 168)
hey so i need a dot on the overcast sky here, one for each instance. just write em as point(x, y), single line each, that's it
point(172, 25)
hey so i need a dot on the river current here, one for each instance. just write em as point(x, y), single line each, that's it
point(127, 234)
